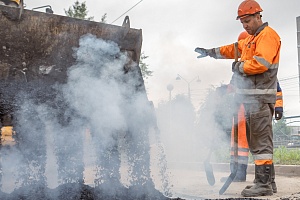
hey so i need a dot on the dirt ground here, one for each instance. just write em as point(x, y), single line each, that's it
point(192, 184)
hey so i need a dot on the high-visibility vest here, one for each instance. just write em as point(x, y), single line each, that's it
point(259, 56)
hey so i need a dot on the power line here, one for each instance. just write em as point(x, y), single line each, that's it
point(289, 78)
point(128, 10)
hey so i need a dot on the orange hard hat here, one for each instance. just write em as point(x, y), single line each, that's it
point(243, 35)
point(248, 7)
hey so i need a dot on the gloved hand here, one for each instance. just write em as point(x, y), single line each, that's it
point(205, 52)
point(278, 113)
point(235, 66)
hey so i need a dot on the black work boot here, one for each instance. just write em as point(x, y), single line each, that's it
point(263, 185)
point(240, 174)
point(273, 184)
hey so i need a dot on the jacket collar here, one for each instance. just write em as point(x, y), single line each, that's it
point(261, 28)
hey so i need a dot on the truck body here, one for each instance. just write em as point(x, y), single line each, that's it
point(36, 50)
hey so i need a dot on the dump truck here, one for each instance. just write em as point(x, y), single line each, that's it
point(37, 50)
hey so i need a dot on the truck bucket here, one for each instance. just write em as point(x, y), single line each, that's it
point(38, 47)
point(46, 39)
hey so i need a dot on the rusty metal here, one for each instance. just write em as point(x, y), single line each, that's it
point(46, 39)
point(36, 50)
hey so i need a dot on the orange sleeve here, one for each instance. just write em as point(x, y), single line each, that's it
point(227, 51)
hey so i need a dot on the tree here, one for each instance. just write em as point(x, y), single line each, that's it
point(217, 111)
point(144, 67)
point(78, 10)
point(103, 18)
point(280, 130)
point(176, 121)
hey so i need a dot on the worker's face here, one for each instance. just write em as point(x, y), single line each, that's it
point(251, 23)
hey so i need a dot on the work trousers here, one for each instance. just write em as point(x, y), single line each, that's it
point(260, 133)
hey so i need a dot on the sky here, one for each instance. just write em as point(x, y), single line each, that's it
point(172, 29)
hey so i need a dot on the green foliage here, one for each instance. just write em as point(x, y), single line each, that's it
point(144, 67)
point(103, 18)
point(176, 123)
point(285, 156)
point(280, 130)
point(281, 156)
point(177, 116)
point(78, 10)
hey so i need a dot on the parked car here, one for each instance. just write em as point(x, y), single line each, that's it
point(294, 141)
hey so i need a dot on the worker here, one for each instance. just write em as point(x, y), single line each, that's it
point(255, 75)
point(243, 148)
point(12, 3)
point(279, 103)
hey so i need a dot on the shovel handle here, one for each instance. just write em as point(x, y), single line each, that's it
point(236, 51)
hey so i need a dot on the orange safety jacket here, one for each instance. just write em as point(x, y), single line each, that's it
point(259, 57)
point(243, 147)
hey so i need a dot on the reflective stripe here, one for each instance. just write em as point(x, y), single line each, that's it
point(263, 157)
point(241, 159)
point(266, 63)
point(241, 149)
point(240, 153)
point(274, 66)
point(256, 91)
point(278, 97)
point(218, 54)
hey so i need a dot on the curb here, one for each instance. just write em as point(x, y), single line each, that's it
point(284, 170)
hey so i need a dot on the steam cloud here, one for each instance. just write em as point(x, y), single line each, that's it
point(97, 121)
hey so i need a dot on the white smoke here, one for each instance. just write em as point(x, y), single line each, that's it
point(100, 113)
point(188, 134)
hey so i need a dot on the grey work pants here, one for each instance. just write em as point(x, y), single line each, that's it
point(259, 130)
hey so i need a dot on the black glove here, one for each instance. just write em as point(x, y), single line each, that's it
point(278, 113)
point(205, 52)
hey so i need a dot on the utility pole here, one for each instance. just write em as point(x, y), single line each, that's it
point(170, 87)
point(298, 46)
point(188, 83)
